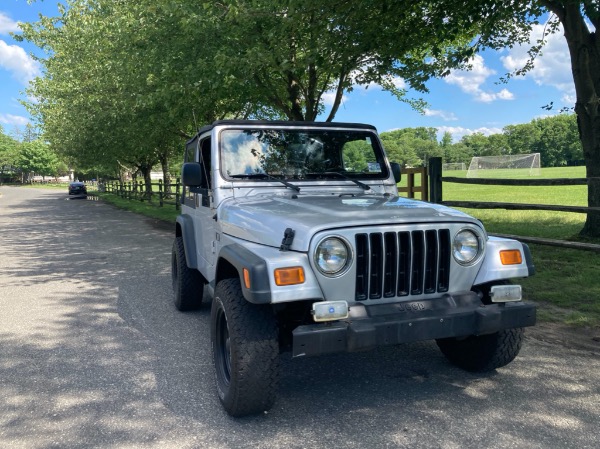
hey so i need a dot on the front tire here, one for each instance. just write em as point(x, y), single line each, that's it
point(245, 351)
point(484, 352)
point(188, 283)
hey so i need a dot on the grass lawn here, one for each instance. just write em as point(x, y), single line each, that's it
point(546, 224)
point(166, 213)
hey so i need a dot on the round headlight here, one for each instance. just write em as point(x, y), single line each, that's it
point(466, 247)
point(332, 256)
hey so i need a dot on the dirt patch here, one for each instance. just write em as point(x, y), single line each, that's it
point(583, 338)
point(161, 224)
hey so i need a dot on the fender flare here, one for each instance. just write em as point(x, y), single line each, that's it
point(258, 271)
point(185, 229)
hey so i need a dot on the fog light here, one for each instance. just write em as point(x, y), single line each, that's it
point(505, 293)
point(330, 310)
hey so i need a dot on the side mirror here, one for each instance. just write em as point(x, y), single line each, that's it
point(191, 174)
point(397, 171)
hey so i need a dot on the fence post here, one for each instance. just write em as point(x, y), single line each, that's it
point(435, 180)
point(160, 193)
point(177, 197)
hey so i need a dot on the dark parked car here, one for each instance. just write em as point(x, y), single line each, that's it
point(77, 188)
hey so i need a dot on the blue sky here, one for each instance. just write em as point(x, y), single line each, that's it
point(462, 103)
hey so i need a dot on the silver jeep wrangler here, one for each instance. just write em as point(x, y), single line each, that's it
point(298, 233)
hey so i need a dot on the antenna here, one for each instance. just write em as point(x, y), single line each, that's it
point(195, 121)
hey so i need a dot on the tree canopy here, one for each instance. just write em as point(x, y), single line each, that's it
point(124, 80)
point(555, 138)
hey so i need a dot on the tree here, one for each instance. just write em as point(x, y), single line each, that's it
point(8, 154)
point(412, 146)
point(36, 157)
point(124, 79)
point(446, 141)
point(584, 50)
point(558, 142)
point(458, 152)
point(522, 138)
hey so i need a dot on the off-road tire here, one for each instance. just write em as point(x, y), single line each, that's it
point(188, 284)
point(245, 351)
point(485, 352)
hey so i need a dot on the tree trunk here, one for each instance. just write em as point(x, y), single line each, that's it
point(584, 50)
point(146, 169)
point(164, 163)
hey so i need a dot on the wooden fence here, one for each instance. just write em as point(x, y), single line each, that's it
point(411, 188)
point(136, 190)
point(436, 196)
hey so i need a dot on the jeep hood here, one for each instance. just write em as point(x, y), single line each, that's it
point(263, 219)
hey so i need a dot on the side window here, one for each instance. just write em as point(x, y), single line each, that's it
point(190, 153)
point(205, 162)
point(189, 156)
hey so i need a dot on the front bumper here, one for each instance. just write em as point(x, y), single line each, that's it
point(369, 326)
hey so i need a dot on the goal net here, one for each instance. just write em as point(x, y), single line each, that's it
point(509, 166)
point(454, 166)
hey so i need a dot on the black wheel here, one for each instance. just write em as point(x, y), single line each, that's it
point(485, 352)
point(188, 284)
point(245, 351)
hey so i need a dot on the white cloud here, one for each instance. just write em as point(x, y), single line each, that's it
point(329, 98)
point(444, 115)
point(15, 60)
point(7, 25)
point(16, 120)
point(458, 132)
point(552, 68)
point(396, 81)
point(470, 81)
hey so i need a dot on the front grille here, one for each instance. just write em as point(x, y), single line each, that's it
point(404, 263)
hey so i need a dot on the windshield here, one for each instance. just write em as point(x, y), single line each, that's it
point(301, 154)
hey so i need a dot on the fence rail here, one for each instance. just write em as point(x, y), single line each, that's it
point(436, 180)
point(518, 182)
point(167, 194)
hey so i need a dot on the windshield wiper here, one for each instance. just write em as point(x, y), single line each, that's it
point(355, 181)
point(266, 176)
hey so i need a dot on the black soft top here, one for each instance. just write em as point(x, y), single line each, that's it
point(277, 123)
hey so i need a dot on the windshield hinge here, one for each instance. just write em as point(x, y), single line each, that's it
point(288, 238)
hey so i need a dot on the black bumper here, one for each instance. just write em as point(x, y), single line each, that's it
point(369, 326)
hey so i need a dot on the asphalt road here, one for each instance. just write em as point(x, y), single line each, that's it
point(93, 354)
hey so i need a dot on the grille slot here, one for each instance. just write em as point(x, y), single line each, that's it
point(402, 263)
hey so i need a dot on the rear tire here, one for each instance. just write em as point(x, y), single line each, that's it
point(245, 351)
point(188, 283)
point(485, 352)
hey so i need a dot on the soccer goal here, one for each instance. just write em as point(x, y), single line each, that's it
point(509, 166)
point(454, 166)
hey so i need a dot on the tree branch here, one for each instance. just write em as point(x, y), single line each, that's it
point(339, 93)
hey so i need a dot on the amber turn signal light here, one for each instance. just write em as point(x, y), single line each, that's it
point(511, 257)
point(247, 278)
point(289, 276)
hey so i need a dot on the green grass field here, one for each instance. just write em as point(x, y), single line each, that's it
point(547, 224)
